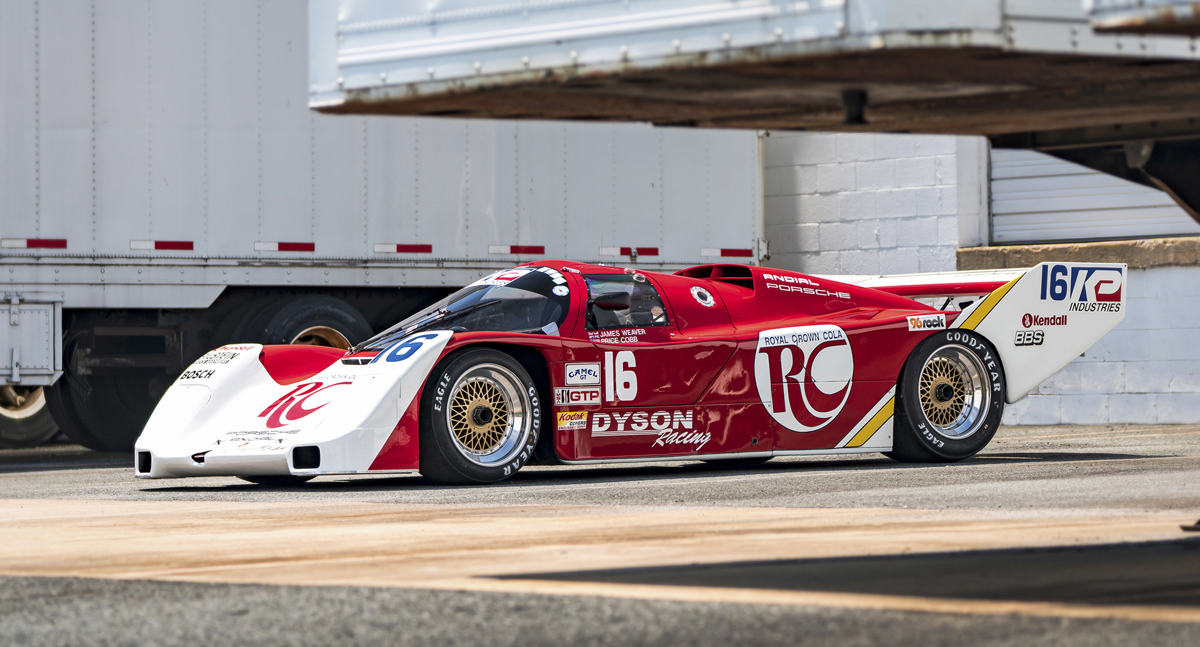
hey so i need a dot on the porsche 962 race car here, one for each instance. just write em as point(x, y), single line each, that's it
point(575, 363)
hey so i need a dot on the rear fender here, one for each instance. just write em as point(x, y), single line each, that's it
point(1043, 319)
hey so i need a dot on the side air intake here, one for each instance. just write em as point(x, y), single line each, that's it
point(306, 458)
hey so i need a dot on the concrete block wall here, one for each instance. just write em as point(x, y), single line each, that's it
point(890, 204)
point(1145, 371)
point(861, 203)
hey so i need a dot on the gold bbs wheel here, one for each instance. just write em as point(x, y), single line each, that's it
point(954, 391)
point(488, 414)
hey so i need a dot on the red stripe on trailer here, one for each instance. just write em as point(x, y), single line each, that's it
point(641, 251)
point(527, 249)
point(180, 245)
point(737, 252)
point(297, 247)
point(392, 248)
point(46, 243)
point(34, 243)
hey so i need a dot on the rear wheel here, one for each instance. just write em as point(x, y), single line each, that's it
point(480, 416)
point(24, 419)
point(950, 399)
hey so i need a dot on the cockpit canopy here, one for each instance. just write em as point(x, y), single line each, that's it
point(523, 299)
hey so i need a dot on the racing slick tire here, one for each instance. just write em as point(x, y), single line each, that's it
point(949, 399)
point(480, 416)
point(277, 480)
point(25, 421)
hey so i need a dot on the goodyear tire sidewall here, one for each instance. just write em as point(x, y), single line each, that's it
point(436, 433)
point(945, 447)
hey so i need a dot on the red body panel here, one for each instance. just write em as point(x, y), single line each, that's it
point(696, 390)
point(826, 354)
point(291, 364)
point(402, 451)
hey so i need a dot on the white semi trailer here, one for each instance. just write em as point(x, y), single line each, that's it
point(164, 188)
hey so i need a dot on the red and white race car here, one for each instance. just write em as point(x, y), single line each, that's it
point(581, 363)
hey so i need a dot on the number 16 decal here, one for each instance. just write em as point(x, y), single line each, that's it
point(620, 382)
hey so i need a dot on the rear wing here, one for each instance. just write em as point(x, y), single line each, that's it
point(940, 284)
point(1039, 319)
point(1046, 317)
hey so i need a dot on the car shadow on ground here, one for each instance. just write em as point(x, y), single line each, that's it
point(570, 474)
point(1150, 573)
point(61, 457)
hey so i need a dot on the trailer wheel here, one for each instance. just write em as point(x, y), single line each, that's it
point(480, 416)
point(950, 399)
point(314, 319)
point(115, 408)
point(24, 419)
point(62, 409)
point(62, 406)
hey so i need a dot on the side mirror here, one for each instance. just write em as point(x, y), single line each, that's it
point(612, 301)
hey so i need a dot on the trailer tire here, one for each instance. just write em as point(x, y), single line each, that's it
point(314, 319)
point(61, 405)
point(114, 409)
point(58, 401)
point(233, 329)
point(25, 420)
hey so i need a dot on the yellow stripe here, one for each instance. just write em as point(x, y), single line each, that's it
point(875, 423)
point(988, 303)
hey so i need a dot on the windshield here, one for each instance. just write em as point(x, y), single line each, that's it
point(517, 300)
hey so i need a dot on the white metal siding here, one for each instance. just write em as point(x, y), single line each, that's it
point(188, 121)
point(1039, 198)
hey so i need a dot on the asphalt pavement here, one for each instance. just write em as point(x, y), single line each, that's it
point(1053, 535)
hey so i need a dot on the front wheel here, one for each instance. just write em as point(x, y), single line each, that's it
point(480, 416)
point(949, 399)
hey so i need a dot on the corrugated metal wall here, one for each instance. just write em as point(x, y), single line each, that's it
point(1038, 198)
point(130, 120)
